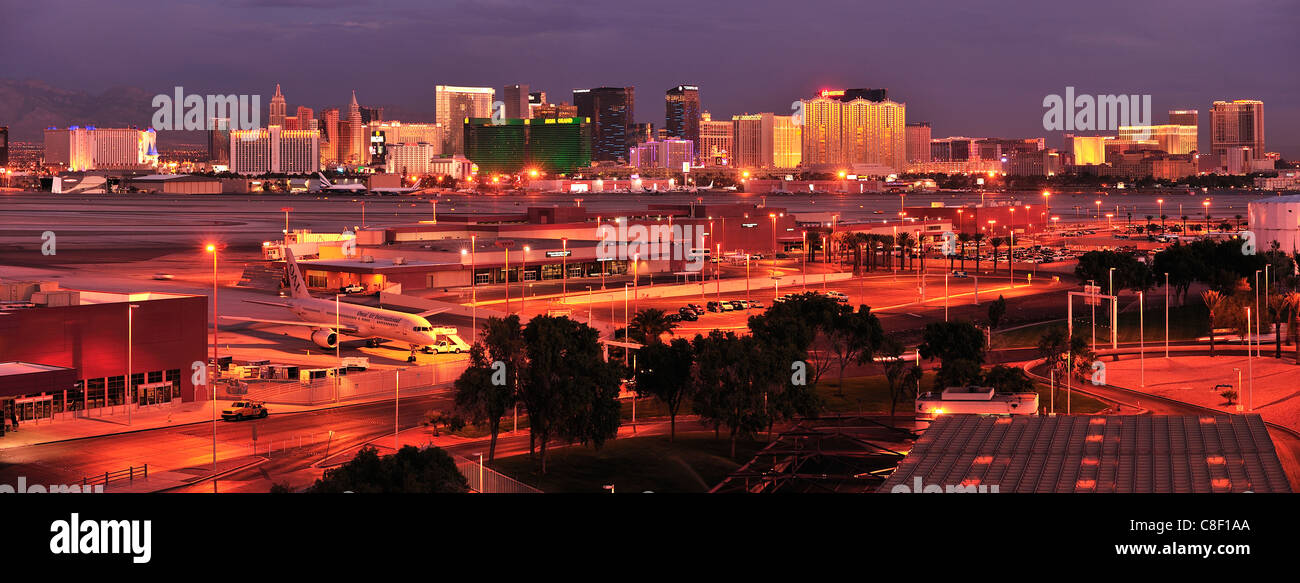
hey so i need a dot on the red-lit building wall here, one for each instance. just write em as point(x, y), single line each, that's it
point(169, 333)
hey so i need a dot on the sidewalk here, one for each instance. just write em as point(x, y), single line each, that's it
point(112, 423)
point(171, 479)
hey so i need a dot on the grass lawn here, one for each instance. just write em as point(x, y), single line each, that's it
point(1185, 323)
point(694, 463)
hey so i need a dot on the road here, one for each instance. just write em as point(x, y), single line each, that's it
point(191, 445)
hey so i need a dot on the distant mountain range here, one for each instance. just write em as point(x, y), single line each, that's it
point(29, 106)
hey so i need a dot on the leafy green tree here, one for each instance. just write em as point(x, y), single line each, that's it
point(483, 394)
point(959, 346)
point(728, 394)
point(801, 328)
point(667, 372)
point(1129, 272)
point(1007, 379)
point(1214, 302)
point(997, 311)
point(902, 377)
point(570, 391)
point(411, 470)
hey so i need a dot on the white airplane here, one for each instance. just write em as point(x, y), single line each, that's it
point(326, 186)
point(354, 320)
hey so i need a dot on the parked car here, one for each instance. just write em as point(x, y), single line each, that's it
point(688, 314)
point(739, 305)
point(673, 317)
point(164, 276)
point(241, 410)
point(352, 288)
point(696, 308)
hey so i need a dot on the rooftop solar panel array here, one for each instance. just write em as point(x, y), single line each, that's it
point(1115, 453)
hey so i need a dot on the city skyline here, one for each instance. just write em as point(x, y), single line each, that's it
point(1156, 53)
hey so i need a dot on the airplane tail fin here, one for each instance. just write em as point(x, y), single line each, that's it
point(324, 182)
point(297, 285)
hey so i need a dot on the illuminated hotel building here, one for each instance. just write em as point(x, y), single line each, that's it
point(765, 140)
point(554, 110)
point(329, 135)
point(1089, 150)
point(277, 109)
point(411, 158)
point(1173, 139)
point(396, 132)
point(671, 153)
point(822, 132)
point(306, 118)
point(1237, 124)
point(918, 141)
point(874, 133)
point(352, 136)
point(548, 145)
point(274, 150)
point(716, 140)
point(611, 111)
point(682, 113)
point(89, 148)
point(1184, 117)
point(452, 105)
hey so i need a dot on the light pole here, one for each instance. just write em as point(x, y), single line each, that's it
point(1142, 348)
point(212, 386)
point(1160, 203)
point(945, 296)
point(338, 346)
point(1166, 314)
point(286, 210)
point(1250, 364)
point(564, 268)
point(523, 276)
point(130, 347)
point(803, 249)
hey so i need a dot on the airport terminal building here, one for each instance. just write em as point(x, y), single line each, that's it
point(65, 352)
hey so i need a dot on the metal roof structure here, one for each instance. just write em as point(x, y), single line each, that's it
point(831, 454)
point(1094, 453)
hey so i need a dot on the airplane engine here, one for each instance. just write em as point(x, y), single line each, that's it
point(324, 338)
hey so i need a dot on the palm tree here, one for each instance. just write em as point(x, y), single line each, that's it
point(905, 243)
point(1292, 300)
point(1184, 224)
point(1238, 222)
point(978, 238)
point(996, 243)
point(1213, 300)
point(649, 324)
point(963, 238)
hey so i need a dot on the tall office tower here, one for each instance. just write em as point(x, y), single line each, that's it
point(822, 132)
point(611, 111)
point(642, 133)
point(274, 149)
point(918, 141)
point(4, 146)
point(219, 141)
point(682, 113)
point(329, 122)
point(671, 154)
point(453, 105)
point(765, 140)
point(874, 133)
point(516, 98)
point(396, 132)
point(555, 111)
point(306, 118)
point(277, 109)
point(1184, 117)
point(537, 99)
point(716, 139)
point(371, 115)
point(1237, 124)
point(355, 136)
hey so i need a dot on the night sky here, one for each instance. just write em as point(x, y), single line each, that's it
point(971, 68)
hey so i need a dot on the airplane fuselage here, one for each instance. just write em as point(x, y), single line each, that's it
point(367, 321)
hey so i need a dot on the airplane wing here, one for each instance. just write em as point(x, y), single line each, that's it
point(276, 304)
point(326, 325)
point(428, 313)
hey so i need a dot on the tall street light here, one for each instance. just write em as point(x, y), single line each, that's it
point(523, 276)
point(1166, 314)
point(212, 386)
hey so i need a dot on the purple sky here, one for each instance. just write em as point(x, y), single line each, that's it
point(971, 68)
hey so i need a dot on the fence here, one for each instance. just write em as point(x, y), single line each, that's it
point(129, 474)
point(485, 480)
point(351, 386)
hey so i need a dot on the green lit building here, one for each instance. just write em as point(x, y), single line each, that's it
point(551, 145)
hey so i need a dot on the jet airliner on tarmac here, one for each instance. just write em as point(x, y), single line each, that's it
point(354, 320)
